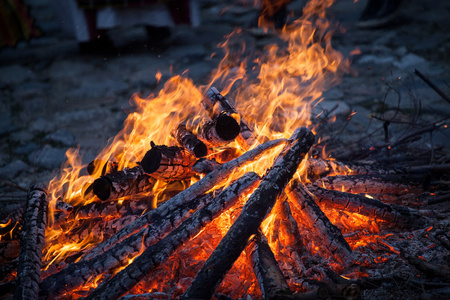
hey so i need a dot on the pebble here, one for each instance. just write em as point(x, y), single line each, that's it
point(61, 136)
point(13, 169)
point(42, 125)
point(48, 157)
point(14, 74)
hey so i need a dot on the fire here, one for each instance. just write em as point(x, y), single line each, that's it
point(290, 81)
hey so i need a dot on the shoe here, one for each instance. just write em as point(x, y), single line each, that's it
point(101, 45)
point(378, 13)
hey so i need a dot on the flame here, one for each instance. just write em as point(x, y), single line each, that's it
point(289, 81)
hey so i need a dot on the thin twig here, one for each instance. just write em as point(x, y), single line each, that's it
point(432, 85)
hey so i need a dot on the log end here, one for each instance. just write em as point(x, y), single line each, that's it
point(227, 127)
point(151, 161)
point(102, 188)
point(200, 150)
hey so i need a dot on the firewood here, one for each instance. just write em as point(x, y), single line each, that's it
point(369, 184)
point(31, 244)
point(330, 235)
point(146, 296)
point(254, 212)
point(63, 207)
point(430, 269)
point(169, 163)
point(99, 261)
point(122, 183)
point(9, 250)
point(204, 166)
point(189, 141)
point(366, 206)
point(105, 167)
point(159, 252)
point(270, 278)
point(219, 131)
point(199, 188)
point(328, 291)
point(214, 103)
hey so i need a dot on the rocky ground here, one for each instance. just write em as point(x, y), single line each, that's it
point(54, 98)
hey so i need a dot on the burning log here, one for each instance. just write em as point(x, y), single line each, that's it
point(122, 183)
point(31, 244)
point(270, 278)
point(330, 234)
point(220, 131)
point(369, 184)
point(159, 252)
point(246, 139)
point(98, 262)
point(189, 141)
point(168, 163)
point(106, 167)
point(195, 190)
point(254, 212)
point(9, 250)
point(365, 206)
point(63, 207)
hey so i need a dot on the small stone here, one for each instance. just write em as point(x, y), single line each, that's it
point(380, 60)
point(26, 149)
point(48, 157)
point(410, 61)
point(189, 51)
point(331, 107)
point(13, 169)
point(62, 136)
point(5, 122)
point(14, 74)
point(41, 125)
point(333, 94)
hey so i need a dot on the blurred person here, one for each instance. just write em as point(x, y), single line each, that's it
point(89, 20)
point(378, 13)
point(15, 23)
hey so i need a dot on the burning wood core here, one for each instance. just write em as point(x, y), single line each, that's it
point(201, 197)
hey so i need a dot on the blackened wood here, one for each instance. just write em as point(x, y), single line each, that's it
point(213, 98)
point(169, 163)
point(432, 85)
point(9, 250)
point(199, 188)
point(99, 261)
point(328, 291)
point(370, 184)
point(7, 288)
point(219, 131)
point(330, 235)
point(317, 167)
point(254, 212)
point(373, 208)
point(146, 296)
point(270, 278)
point(63, 207)
point(204, 166)
point(430, 269)
point(102, 167)
point(159, 252)
point(189, 141)
point(31, 244)
point(118, 184)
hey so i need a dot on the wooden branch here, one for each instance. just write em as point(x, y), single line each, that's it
point(270, 278)
point(330, 235)
point(199, 188)
point(31, 244)
point(370, 184)
point(99, 261)
point(189, 141)
point(214, 103)
point(254, 212)
point(159, 252)
point(432, 85)
point(328, 291)
point(169, 163)
point(98, 166)
point(368, 207)
point(122, 183)
point(219, 131)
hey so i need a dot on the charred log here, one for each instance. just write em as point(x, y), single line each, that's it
point(98, 262)
point(254, 212)
point(270, 278)
point(103, 167)
point(159, 252)
point(370, 184)
point(31, 244)
point(219, 131)
point(187, 195)
point(169, 163)
point(326, 231)
point(429, 268)
point(122, 183)
point(368, 207)
point(214, 103)
point(189, 141)
point(329, 291)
